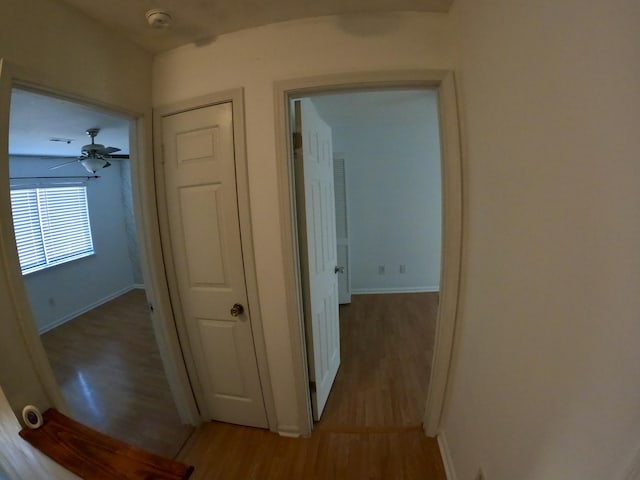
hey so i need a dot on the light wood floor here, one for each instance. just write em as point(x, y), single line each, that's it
point(371, 426)
point(109, 369)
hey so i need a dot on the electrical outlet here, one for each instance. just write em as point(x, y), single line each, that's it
point(403, 269)
point(380, 269)
point(480, 475)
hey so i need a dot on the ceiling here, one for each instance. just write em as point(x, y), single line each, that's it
point(201, 21)
point(36, 119)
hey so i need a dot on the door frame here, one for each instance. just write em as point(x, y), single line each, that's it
point(342, 156)
point(443, 82)
point(147, 233)
point(236, 98)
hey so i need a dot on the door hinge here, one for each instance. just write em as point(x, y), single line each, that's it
point(312, 387)
point(297, 140)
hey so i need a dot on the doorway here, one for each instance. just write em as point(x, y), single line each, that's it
point(203, 238)
point(203, 204)
point(443, 83)
point(76, 233)
point(384, 248)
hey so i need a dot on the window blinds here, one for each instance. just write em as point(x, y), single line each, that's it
point(51, 226)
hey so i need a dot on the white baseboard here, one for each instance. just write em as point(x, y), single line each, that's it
point(288, 431)
point(368, 291)
point(85, 309)
point(446, 457)
point(139, 286)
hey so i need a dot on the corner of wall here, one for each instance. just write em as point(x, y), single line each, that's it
point(445, 453)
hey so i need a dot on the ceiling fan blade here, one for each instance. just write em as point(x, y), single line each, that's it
point(122, 156)
point(106, 165)
point(107, 150)
point(63, 164)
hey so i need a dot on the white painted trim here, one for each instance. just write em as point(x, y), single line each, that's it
point(289, 431)
point(139, 286)
point(154, 273)
point(445, 453)
point(236, 97)
point(451, 256)
point(248, 253)
point(371, 291)
point(443, 82)
point(153, 269)
point(85, 309)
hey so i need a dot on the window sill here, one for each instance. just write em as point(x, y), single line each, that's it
point(41, 268)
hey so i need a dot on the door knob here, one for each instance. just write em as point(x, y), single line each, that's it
point(237, 310)
point(338, 269)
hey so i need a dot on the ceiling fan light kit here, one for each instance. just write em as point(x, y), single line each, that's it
point(94, 155)
point(92, 165)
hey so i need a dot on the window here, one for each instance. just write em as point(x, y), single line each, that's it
point(51, 226)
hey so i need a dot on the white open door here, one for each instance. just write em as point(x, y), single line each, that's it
point(317, 226)
point(202, 209)
point(342, 230)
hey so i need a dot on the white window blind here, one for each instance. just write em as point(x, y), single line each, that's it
point(51, 226)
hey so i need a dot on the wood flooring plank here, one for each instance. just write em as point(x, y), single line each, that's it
point(109, 369)
point(231, 452)
point(386, 348)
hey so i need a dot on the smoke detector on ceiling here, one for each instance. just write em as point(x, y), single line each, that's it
point(158, 18)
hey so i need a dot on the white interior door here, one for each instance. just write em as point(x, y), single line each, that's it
point(202, 207)
point(316, 210)
point(342, 230)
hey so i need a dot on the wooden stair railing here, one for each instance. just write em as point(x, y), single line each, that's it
point(94, 456)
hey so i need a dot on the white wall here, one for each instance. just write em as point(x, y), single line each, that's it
point(546, 363)
point(254, 59)
point(55, 44)
point(60, 293)
point(74, 54)
point(546, 384)
point(394, 196)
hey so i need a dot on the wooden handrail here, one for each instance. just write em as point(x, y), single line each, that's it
point(94, 456)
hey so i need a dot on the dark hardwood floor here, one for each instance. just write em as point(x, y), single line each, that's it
point(371, 427)
point(386, 348)
point(108, 367)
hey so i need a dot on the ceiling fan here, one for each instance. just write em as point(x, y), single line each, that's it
point(94, 156)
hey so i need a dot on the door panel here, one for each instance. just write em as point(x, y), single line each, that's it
point(316, 210)
point(220, 344)
point(205, 259)
point(200, 188)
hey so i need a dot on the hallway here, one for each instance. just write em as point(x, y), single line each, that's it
point(371, 427)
